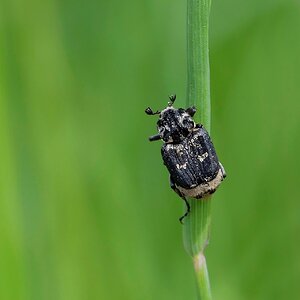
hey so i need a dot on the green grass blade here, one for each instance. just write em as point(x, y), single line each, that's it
point(197, 224)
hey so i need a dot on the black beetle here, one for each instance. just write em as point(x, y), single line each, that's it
point(188, 153)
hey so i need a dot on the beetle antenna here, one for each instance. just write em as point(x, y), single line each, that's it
point(172, 100)
point(150, 112)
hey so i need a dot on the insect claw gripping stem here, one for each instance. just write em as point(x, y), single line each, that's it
point(188, 209)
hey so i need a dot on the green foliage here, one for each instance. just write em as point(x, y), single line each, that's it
point(196, 228)
point(85, 207)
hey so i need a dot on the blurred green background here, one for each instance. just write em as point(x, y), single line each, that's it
point(86, 211)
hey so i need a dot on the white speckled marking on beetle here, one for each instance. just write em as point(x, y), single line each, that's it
point(203, 156)
point(178, 166)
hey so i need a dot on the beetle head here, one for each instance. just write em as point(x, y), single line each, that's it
point(174, 125)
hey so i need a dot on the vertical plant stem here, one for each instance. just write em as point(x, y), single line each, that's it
point(198, 80)
point(197, 224)
point(196, 230)
point(202, 277)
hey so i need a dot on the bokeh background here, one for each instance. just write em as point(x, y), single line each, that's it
point(85, 207)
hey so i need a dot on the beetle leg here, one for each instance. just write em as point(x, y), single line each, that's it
point(188, 208)
point(223, 170)
point(173, 187)
point(155, 137)
point(191, 110)
point(212, 191)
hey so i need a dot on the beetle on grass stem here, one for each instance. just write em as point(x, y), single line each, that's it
point(187, 152)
